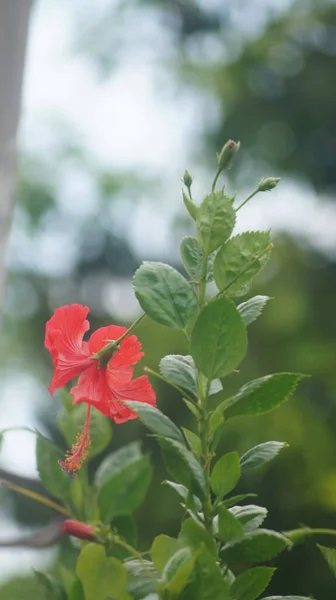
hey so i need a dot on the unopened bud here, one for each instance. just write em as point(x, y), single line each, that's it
point(266, 185)
point(190, 206)
point(187, 179)
point(227, 153)
point(78, 529)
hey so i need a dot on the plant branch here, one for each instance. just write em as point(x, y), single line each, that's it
point(35, 496)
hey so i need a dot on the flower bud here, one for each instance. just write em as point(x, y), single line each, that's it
point(227, 153)
point(78, 529)
point(266, 185)
point(187, 179)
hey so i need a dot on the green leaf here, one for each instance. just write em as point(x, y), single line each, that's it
point(181, 370)
point(229, 527)
point(216, 419)
point(218, 340)
point(51, 588)
point(101, 576)
point(192, 407)
point(126, 528)
point(234, 257)
point(192, 257)
point(70, 423)
point(257, 546)
point(250, 516)
point(194, 534)
point(177, 571)
point(183, 466)
point(252, 309)
point(163, 548)
point(262, 395)
point(122, 481)
point(215, 221)
point(225, 474)
point(190, 500)
point(156, 421)
point(239, 498)
point(56, 481)
point(193, 440)
point(208, 582)
point(164, 294)
point(250, 584)
point(330, 556)
point(260, 455)
point(190, 205)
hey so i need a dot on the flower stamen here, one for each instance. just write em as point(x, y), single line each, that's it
point(75, 457)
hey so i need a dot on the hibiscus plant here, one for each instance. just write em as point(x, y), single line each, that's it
point(222, 551)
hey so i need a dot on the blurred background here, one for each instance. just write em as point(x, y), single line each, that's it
point(119, 98)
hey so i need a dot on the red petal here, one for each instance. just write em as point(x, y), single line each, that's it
point(138, 389)
point(64, 340)
point(92, 386)
point(103, 336)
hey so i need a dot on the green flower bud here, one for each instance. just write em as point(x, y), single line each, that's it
point(266, 185)
point(190, 206)
point(187, 179)
point(227, 153)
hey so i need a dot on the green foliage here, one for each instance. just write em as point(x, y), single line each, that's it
point(195, 535)
point(330, 556)
point(261, 395)
point(192, 255)
point(216, 218)
point(194, 442)
point(177, 570)
point(225, 474)
point(237, 261)
point(50, 586)
point(181, 371)
point(229, 526)
point(250, 516)
point(250, 584)
point(56, 482)
point(207, 582)
point(156, 421)
point(260, 455)
point(122, 481)
point(101, 576)
point(218, 340)
point(257, 546)
point(183, 466)
point(252, 308)
point(164, 294)
point(162, 549)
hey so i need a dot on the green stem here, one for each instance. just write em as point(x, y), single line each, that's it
point(213, 188)
point(35, 496)
point(300, 535)
point(162, 378)
point(247, 199)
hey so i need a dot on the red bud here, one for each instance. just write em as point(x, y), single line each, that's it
point(78, 529)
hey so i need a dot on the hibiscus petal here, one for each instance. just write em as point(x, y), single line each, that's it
point(138, 389)
point(103, 336)
point(64, 340)
point(92, 386)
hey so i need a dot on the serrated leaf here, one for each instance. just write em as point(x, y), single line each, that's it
point(193, 440)
point(252, 308)
point(250, 516)
point(207, 581)
point(194, 534)
point(225, 474)
point(192, 255)
point(219, 339)
point(162, 549)
point(257, 546)
point(330, 556)
point(233, 259)
point(262, 395)
point(181, 370)
point(122, 481)
point(250, 584)
point(229, 527)
point(215, 221)
point(260, 455)
point(100, 575)
point(71, 422)
point(55, 481)
point(164, 294)
point(155, 420)
point(190, 500)
point(183, 466)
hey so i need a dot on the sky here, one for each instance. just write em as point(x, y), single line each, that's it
point(122, 122)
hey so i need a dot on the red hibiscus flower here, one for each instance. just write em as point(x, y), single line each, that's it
point(105, 370)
